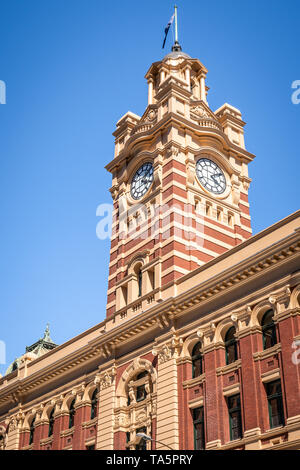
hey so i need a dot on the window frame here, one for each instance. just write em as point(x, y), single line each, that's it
point(231, 410)
point(268, 327)
point(228, 344)
point(32, 431)
point(72, 412)
point(200, 421)
point(51, 423)
point(279, 401)
point(94, 404)
point(197, 357)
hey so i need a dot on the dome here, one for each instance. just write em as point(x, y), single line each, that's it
point(176, 53)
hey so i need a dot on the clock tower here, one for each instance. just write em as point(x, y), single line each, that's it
point(179, 187)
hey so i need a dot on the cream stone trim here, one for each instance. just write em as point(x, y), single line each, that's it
point(90, 423)
point(174, 268)
point(233, 389)
point(195, 381)
point(250, 433)
point(260, 355)
point(271, 375)
point(292, 312)
point(229, 368)
point(67, 432)
point(167, 403)
point(172, 171)
point(212, 445)
point(293, 420)
point(25, 448)
point(197, 403)
point(90, 442)
point(47, 440)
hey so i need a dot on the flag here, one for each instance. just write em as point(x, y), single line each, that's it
point(167, 29)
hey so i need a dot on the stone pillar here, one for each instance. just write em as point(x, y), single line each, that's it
point(188, 77)
point(150, 91)
point(105, 427)
point(202, 88)
point(167, 400)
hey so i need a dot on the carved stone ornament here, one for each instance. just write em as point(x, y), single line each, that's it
point(12, 424)
point(165, 354)
point(151, 116)
point(107, 379)
point(200, 111)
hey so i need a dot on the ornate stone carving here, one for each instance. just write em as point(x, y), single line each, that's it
point(151, 116)
point(107, 379)
point(200, 112)
point(165, 354)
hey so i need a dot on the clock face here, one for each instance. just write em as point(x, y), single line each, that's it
point(142, 181)
point(211, 176)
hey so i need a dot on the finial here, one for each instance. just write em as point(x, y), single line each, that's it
point(47, 333)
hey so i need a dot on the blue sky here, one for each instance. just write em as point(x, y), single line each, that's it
point(72, 68)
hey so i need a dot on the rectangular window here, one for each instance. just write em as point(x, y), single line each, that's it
point(275, 404)
point(140, 393)
point(90, 447)
point(235, 417)
point(199, 435)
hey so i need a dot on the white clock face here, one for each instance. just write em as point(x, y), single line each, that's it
point(142, 181)
point(211, 176)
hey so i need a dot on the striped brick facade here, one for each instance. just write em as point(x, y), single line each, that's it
point(177, 223)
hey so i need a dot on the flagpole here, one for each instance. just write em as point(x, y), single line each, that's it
point(176, 28)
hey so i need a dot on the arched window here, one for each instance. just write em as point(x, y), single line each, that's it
point(140, 279)
point(72, 414)
point(32, 429)
point(230, 346)
point(51, 423)
point(197, 361)
point(94, 404)
point(140, 386)
point(268, 330)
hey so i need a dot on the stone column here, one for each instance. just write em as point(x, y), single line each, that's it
point(150, 91)
point(202, 88)
point(105, 427)
point(167, 400)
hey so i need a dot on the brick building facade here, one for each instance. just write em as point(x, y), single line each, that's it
point(199, 348)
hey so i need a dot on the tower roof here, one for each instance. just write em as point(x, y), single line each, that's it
point(176, 52)
point(37, 349)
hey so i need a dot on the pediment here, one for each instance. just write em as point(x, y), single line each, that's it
point(199, 110)
point(150, 115)
point(147, 121)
